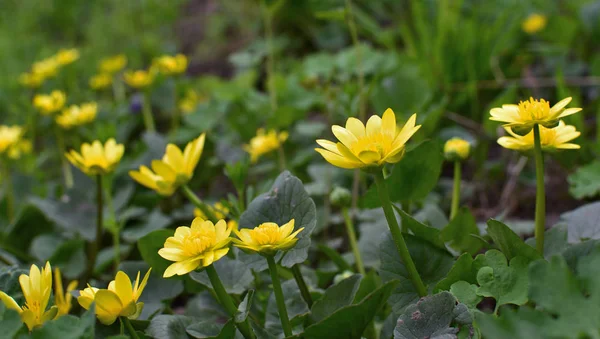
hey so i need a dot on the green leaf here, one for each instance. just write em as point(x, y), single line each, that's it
point(170, 326)
point(496, 279)
point(286, 200)
point(413, 177)
point(337, 296)
point(10, 322)
point(555, 240)
point(244, 307)
point(9, 282)
point(204, 306)
point(155, 221)
point(466, 294)
point(149, 245)
point(509, 242)
point(583, 223)
point(211, 330)
point(420, 230)
point(235, 275)
point(68, 327)
point(585, 181)
point(458, 233)
point(462, 269)
point(522, 323)
point(431, 317)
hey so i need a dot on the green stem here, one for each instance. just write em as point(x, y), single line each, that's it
point(199, 203)
point(540, 196)
point(397, 235)
point(268, 22)
point(9, 194)
point(283, 315)
point(281, 156)
point(130, 327)
point(66, 168)
point(176, 116)
point(94, 245)
point(147, 113)
point(302, 285)
point(353, 242)
point(227, 302)
point(456, 190)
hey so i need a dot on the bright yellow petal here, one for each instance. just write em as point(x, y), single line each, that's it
point(337, 160)
point(123, 287)
point(388, 123)
point(343, 135)
point(374, 125)
point(181, 268)
point(108, 306)
point(355, 127)
point(9, 302)
point(287, 229)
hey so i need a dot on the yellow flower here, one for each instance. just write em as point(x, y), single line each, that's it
point(550, 138)
point(36, 288)
point(62, 299)
point(22, 146)
point(45, 68)
point(67, 56)
point(220, 211)
point(113, 64)
point(50, 103)
point(100, 81)
point(359, 147)
point(96, 159)
point(267, 238)
point(456, 149)
point(175, 168)
point(120, 299)
point(77, 115)
point(188, 103)
point(170, 65)
point(9, 137)
point(264, 143)
point(139, 79)
point(534, 23)
point(195, 247)
point(528, 113)
point(31, 80)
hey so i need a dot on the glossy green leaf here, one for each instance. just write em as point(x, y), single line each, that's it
point(337, 296)
point(509, 242)
point(507, 283)
point(582, 222)
point(235, 275)
point(170, 326)
point(463, 269)
point(458, 233)
point(149, 245)
point(420, 230)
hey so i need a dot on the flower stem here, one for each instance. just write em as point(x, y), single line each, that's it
point(94, 245)
point(353, 242)
point(199, 203)
point(147, 113)
point(66, 168)
point(302, 285)
point(281, 157)
point(456, 190)
point(9, 193)
point(226, 301)
point(283, 315)
point(540, 196)
point(130, 327)
point(397, 235)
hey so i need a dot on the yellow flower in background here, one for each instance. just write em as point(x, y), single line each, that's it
point(36, 287)
point(100, 81)
point(139, 79)
point(62, 298)
point(534, 23)
point(359, 147)
point(267, 238)
point(77, 115)
point(175, 169)
point(456, 149)
point(190, 101)
point(50, 103)
point(22, 146)
point(97, 159)
point(31, 80)
point(550, 138)
point(113, 64)
point(197, 246)
point(219, 210)
point(46, 68)
point(67, 56)
point(170, 65)
point(120, 299)
point(528, 113)
point(263, 143)
point(9, 137)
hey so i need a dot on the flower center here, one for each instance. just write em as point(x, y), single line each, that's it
point(266, 234)
point(379, 143)
point(534, 109)
point(198, 242)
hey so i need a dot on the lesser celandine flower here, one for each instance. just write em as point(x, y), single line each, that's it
point(264, 143)
point(171, 65)
point(139, 78)
point(220, 211)
point(120, 299)
point(31, 80)
point(267, 238)
point(100, 81)
point(551, 138)
point(9, 137)
point(175, 169)
point(113, 64)
point(77, 115)
point(50, 103)
point(381, 141)
point(46, 68)
point(36, 287)
point(22, 146)
point(67, 56)
point(195, 247)
point(534, 23)
point(456, 149)
point(97, 159)
point(189, 102)
point(62, 298)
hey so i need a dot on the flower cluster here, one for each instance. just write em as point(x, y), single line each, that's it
point(77, 115)
point(97, 159)
point(264, 143)
point(48, 68)
point(12, 143)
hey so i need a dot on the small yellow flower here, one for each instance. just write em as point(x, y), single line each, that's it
point(175, 169)
point(9, 137)
point(264, 143)
point(534, 23)
point(62, 299)
point(171, 65)
point(267, 238)
point(67, 56)
point(31, 80)
point(45, 68)
point(191, 100)
point(139, 79)
point(113, 64)
point(195, 247)
point(219, 210)
point(359, 147)
point(50, 103)
point(528, 113)
point(550, 138)
point(120, 299)
point(22, 146)
point(456, 149)
point(100, 81)
point(77, 115)
point(96, 159)
point(36, 288)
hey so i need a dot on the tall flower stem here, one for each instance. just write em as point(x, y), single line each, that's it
point(397, 235)
point(283, 315)
point(302, 285)
point(227, 302)
point(147, 113)
point(94, 245)
point(199, 203)
point(281, 157)
point(456, 189)
point(176, 116)
point(540, 196)
point(8, 193)
point(130, 328)
point(270, 69)
point(66, 168)
point(353, 241)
